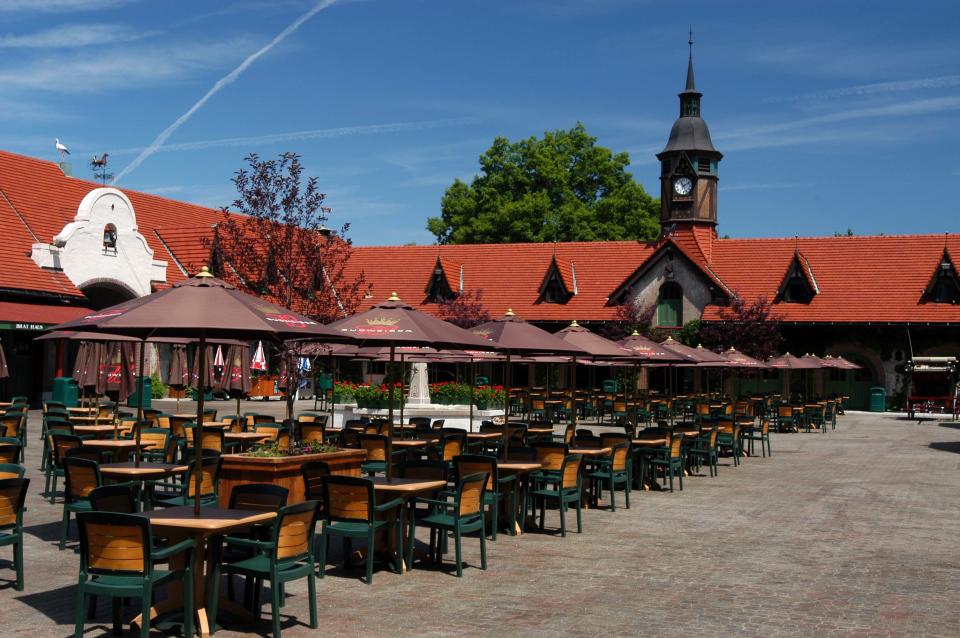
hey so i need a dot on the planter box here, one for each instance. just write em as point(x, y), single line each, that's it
point(284, 471)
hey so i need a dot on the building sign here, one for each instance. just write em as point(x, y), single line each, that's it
point(10, 325)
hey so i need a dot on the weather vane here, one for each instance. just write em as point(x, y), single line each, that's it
point(99, 167)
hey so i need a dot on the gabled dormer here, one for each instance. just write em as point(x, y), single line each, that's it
point(944, 286)
point(798, 284)
point(439, 287)
point(559, 284)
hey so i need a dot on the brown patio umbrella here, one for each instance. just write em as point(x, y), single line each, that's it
point(179, 376)
point(596, 348)
point(740, 360)
point(789, 362)
point(644, 350)
point(514, 336)
point(394, 323)
point(201, 307)
point(699, 356)
point(235, 379)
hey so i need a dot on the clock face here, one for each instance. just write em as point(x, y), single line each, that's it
point(683, 186)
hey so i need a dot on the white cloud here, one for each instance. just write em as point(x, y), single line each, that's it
point(73, 36)
point(58, 6)
point(90, 72)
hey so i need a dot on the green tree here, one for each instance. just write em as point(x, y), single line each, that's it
point(563, 187)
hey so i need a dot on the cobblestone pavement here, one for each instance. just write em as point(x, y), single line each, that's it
point(850, 533)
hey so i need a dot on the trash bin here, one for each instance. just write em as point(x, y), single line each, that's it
point(481, 380)
point(208, 396)
point(134, 400)
point(878, 399)
point(66, 391)
point(610, 385)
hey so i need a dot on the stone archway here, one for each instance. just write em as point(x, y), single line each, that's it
point(857, 383)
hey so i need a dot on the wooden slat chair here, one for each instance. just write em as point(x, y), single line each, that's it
point(785, 418)
point(814, 417)
point(286, 557)
point(11, 470)
point(11, 427)
point(461, 515)
point(379, 453)
point(254, 497)
point(313, 431)
point(761, 434)
point(116, 497)
point(117, 560)
point(499, 489)
point(450, 445)
point(670, 458)
point(161, 448)
point(730, 439)
point(312, 473)
point(704, 449)
point(209, 415)
point(59, 444)
point(550, 455)
point(13, 492)
point(163, 420)
point(185, 492)
point(612, 471)
point(351, 511)
point(348, 438)
point(9, 451)
point(427, 470)
point(278, 433)
point(55, 405)
point(81, 476)
point(566, 492)
point(568, 433)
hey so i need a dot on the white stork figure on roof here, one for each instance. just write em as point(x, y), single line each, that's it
point(62, 149)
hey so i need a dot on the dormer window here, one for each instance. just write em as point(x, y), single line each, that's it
point(438, 288)
point(944, 286)
point(555, 287)
point(110, 238)
point(798, 285)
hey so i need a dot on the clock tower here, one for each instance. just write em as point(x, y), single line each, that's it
point(688, 165)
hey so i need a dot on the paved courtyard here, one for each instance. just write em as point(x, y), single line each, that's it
point(851, 533)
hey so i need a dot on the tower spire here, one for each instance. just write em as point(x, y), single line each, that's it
point(691, 85)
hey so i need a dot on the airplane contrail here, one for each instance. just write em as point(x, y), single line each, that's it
point(226, 80)
point(276, 138)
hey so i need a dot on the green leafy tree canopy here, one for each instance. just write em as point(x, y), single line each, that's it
point(562, 187)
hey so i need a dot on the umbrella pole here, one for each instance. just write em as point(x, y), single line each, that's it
point(472, 383)
point(137, 451)
point(198, 427)
point(506, 409)
point(573, 391)
point(333, 390)
point(403, 388)
point(390, 417)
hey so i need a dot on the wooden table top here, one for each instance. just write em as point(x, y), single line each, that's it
point(484, 436)
point(144, 471)
point(91, 419)
point(211, 519)
point(80, 410)
point(94, 429)
point(246, 436)
point(650, 442)
point(540, 430)
point(518, 467)
point(401, 486)
point(410, 443)
point(118, 444)
point(590, 451)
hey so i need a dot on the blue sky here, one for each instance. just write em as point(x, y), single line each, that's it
point(831, 115)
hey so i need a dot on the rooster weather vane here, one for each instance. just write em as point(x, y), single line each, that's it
point(99, 167)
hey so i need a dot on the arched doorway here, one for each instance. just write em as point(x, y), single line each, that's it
point(106, 292)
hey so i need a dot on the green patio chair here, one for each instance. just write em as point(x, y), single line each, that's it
point(117, 560)
point(499, 489)
point(670, 458)
point(704, 449)
point(285, 557)
point(461, 515)
point(13, 492)
point(612, 471)
point(566, 492)
point(351, 511)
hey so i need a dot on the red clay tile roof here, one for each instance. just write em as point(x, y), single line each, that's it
point(39, 313)
point(38, 200)
point(509, 275)
point(861, 279)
